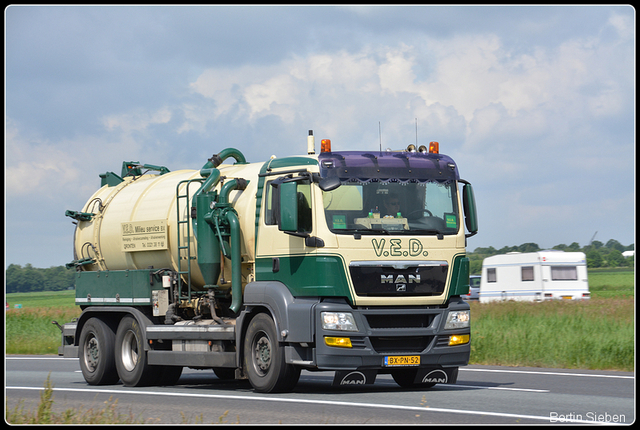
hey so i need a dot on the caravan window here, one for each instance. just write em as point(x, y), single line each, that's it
point(564, 273)
point(527, 273)
point(491, 275)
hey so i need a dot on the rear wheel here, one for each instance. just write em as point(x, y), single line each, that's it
point(225, 373)
point(97, 360)
point(131, 357)
point(264, 358)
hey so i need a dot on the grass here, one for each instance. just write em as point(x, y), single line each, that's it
point(30, 330)
point(47, 299)
point(590, 334)
point(611, 282)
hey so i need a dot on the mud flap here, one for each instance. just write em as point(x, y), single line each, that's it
point(355, 377)
point(439, 375)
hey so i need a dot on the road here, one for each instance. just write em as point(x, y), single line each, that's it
point(483, 395)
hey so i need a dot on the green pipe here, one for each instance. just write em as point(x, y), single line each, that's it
point(208, 247)
point(233, 184)
point(236, 258)
point(236, 262)
point(218, 159)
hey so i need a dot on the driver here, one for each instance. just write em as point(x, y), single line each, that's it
point(391, 205)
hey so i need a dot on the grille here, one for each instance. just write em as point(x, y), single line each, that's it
point(400, 344)
point(400, 321)
point(385, 280)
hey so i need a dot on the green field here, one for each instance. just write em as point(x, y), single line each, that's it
point(611, 282)
point(592, 334)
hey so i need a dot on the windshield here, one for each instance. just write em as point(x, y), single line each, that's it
point(375, 207)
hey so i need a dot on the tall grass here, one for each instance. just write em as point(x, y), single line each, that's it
point(30, 330)
point(591, 334)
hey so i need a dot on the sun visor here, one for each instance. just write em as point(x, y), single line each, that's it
point(357, 166)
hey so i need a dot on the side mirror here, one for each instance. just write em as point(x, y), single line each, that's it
point(470, 212)
point(288, 218)
point(329, 184)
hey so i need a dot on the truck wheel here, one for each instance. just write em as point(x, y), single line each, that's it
point(131, 358)
point(169, 375)
point(97, 360)
point(405, 378)
point(264, 358)
point(225, 373)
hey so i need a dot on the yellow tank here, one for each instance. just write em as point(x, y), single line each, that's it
point(135, 225)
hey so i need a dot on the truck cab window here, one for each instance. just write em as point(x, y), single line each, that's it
point(369, 207)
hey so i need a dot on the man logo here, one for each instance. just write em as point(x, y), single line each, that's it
point(436, 376)
point(400, 279)
point(401, 287)
point(354, 378)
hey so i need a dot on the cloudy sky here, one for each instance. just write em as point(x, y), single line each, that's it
point(536, 104)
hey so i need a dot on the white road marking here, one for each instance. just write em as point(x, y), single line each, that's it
point(532, 372)
point(529, 390)
point(315, 402)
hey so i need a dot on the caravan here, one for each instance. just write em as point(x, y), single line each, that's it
point(534, 276)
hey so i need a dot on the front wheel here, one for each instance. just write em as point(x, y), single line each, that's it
point(406, 377)
point(97, 360)
point(264, 359)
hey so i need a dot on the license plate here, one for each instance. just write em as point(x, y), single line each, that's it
point(402, 360)
point(567, 297)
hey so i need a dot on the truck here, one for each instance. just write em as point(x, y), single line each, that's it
point(261, 270)
point(535, 276)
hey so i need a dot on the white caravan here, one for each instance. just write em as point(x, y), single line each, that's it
point(534, 276)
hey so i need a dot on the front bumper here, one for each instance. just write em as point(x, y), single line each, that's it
point(384, 334)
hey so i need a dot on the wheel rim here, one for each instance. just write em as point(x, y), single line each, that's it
point(91, 352)
point(130, 352)
point(262, 353)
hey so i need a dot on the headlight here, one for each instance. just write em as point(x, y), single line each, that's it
point(457, 319)
point(338, 321)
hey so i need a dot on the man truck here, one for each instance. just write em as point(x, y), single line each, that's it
point(261, 270)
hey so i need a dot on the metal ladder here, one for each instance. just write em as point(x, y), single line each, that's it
point(187, 222)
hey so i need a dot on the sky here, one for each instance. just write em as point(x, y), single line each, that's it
point(536, 104)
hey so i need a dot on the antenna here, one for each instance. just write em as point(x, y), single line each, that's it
point(416, 132)
point(380, 135)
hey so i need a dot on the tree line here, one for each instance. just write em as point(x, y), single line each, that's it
point(598, 254)
point(28, 278)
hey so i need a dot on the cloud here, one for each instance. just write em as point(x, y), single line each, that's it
point(518, 96)
point(33, 163)
point(137, 121)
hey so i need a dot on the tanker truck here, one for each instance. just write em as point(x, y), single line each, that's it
point(345, 261)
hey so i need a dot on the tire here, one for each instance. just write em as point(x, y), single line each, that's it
point(264, 359)
point(225, 374)
point(169, 375)
point(131, 357)
point(96, 352)
point(405, 378)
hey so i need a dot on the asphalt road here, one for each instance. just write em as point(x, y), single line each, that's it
point(483, 395)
